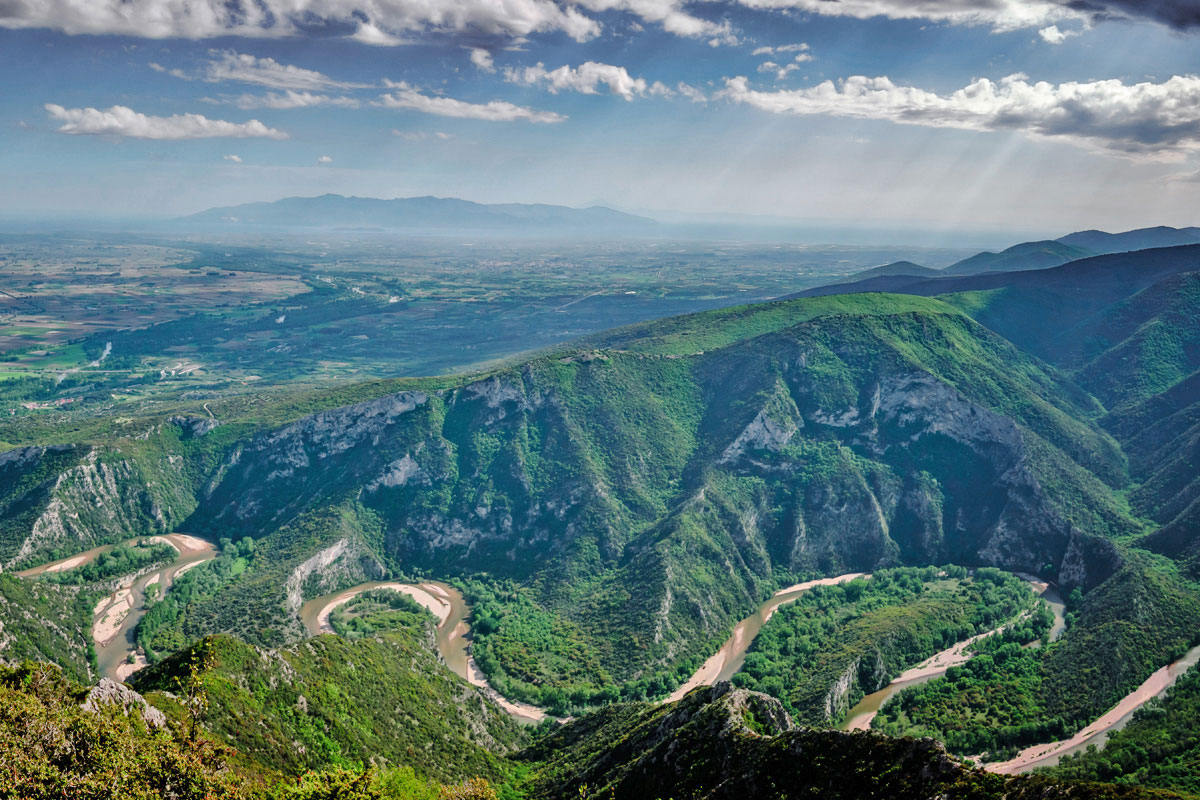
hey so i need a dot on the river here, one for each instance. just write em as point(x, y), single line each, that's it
point(116, 615)
point(863, 713)
point(447, 604)
point(1116, 718)
point(727, 661)
point(450, 608)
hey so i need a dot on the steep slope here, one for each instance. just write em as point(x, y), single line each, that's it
point(1144, 345)
point(57, 500)
point(384, 700)
point(720, 742)
point(1019, 257)
point(665, 478)
point(42, 621)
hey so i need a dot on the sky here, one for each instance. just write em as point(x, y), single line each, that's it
point(1052, 115)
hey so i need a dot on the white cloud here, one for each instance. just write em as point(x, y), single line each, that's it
point(370, 21)
point(670, 15)
point(392, 22)
point(587, 78)
point(782, 72)
point(124, 121)
point(292, 99)
point(1160, 120)
point(482, 59)
point(691, 93)
point(420, 136)
point(325, 160)
point(768, 50)
point(410, 99)
point(234, 158)
point(178, 73)
point(245, 68)
point(1053, 35)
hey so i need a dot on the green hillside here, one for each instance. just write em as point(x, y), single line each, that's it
point(612, 509)
point(667, 477)
point(332, 702)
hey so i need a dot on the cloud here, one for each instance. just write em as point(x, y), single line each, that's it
point(291, 99)
point(245, 68)
point(370, 21)
point(325, 160)
point(587, 78)
point(482, 59)
point(124, 121)
point(1158, 120)
point(768, 50)
point(1052, 35)
point(394, 22)
point(234, 158)
point(691, 93)
point(1177, 14)
point(1185, 177)
point(782, 72)
point(670, 15)
point(1000, 15)
point(420, 136)
point(178, 73)
point(410, 99)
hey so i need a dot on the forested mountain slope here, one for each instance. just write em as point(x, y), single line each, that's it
point(612, 509)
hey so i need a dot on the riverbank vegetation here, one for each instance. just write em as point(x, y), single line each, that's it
point(1159, 748)
point(1011, 697)
point(124, 559)
point(822, 652)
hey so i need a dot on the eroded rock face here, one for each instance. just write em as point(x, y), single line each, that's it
point(67, 499)
point(946, 480)
point(344, 563)
point(275, 476)
point(110, 693)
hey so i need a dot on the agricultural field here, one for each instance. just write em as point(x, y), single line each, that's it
point(94, 324)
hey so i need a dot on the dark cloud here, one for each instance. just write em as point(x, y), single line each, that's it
point(1177, 14)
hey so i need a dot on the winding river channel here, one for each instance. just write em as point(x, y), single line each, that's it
point(1116, 718)
point(863, 714)
point(447, 604)
point(116, 617)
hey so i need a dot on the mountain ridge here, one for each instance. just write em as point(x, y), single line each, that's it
point(335, 210)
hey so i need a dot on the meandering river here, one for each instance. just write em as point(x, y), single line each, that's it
point(447, 604)
point(116, 615)
point(723, 664)
point(1116, 718)
point(860, 717)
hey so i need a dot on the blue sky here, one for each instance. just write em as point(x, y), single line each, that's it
point(932, 114)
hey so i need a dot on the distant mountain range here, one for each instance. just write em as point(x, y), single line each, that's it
point(1018, 258)
point(1024, 256)
point(419, 213)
